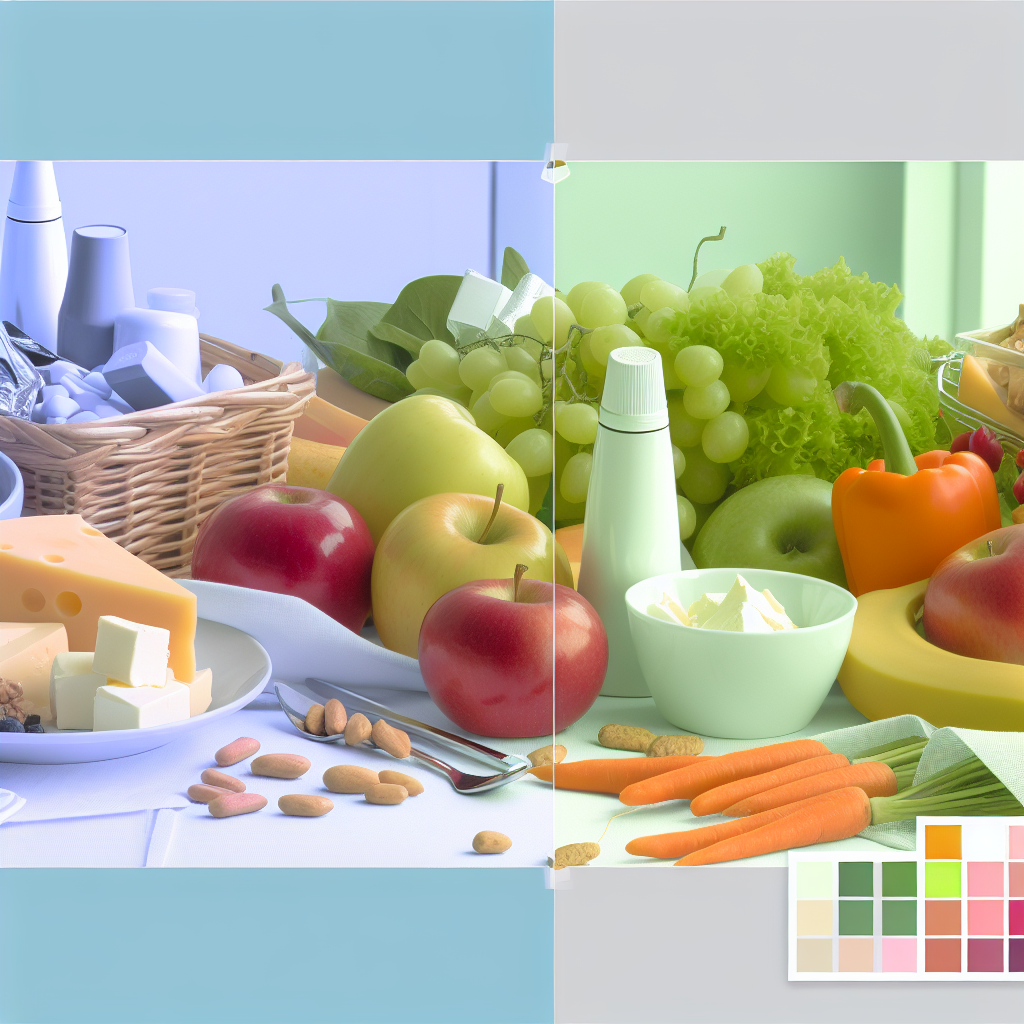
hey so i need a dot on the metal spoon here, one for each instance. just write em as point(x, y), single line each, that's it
point(513, 766)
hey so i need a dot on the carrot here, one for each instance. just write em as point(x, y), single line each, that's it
point(686, 783)
point(822, 819)
point(670, 845)
point(609, 774)
point(875, 778)
point(714, 801)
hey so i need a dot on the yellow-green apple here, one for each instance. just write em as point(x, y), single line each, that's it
point(974, 604)
point(420, 446)
point(440, 542)
point(485, 652)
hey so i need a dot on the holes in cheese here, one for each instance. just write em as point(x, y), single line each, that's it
point(68, 603)
point(33, 600)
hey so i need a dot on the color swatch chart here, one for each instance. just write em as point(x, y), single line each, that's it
point(953, 910)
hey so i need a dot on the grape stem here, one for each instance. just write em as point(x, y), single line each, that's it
point(706, 238)
point(517, 579)
point(494, 514)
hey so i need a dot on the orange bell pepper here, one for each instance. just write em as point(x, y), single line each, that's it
point(896, 520)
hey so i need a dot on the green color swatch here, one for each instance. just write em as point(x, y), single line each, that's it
point(899, 878)
point(856, 917)
point(814, 880)
point(856, 879)
point(942, 878)
point(899, 917)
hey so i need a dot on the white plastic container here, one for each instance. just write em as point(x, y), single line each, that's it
point(34, 264)
point(631, 529)
point(176, 335)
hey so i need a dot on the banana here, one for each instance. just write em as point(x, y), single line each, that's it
point(890, 669)
point(311, 464)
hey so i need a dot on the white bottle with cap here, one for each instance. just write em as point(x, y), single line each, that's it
point(34, 264)
point(631, 529)
point(170, 324)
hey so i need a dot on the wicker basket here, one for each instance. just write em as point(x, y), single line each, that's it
point(150, 478)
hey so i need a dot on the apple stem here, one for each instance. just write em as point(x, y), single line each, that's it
point(991, 553)
point(494, 514)
point(517, 579)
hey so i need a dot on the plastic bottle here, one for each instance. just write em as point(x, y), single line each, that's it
point(34, 264)
point(631, 529)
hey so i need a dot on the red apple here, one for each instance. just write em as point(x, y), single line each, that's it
point(485, 652)
point(291, 540)
point(974, 604)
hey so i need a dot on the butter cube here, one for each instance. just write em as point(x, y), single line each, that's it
point(704, 607)
point(73, 686)
point(130, 652)
point(139, 707)
point(200, 691)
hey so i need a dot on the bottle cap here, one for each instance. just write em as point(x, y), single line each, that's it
point(634, 391)
point(173, 300)
point(34, 192)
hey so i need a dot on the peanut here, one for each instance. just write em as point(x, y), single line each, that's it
point(675, 746)
point(384, 793)
point(349, 778)
point(388, 738)
point(212, 777)
point(491, 842)
point(280, 766)
point(304, 806)
point(236, 803)
point(237, 750)
point(335, 717)
point(204, 794)
point(357, 730)
point(575, 855)
point(626, 737)
point(412, 786)
point(547, 755)
point(314, 723)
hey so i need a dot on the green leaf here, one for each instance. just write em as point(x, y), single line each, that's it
point(513, 268)
point(420, 313)
point(345, 344)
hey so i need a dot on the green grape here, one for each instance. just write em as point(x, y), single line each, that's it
point(640, 319)
point(521, 360)
point(546, 369)
point(524, 325)
point(630, 291)
point(576, 477)
point(710, 279)
point(700, 295)
point(789, 386)
point(441, 361)
point(577, 422)
point(703, 481)
point(590, 364)
point(507, 375)
point(659, 325)
point(514, 397)
point(706, 402)
point(684, 429)
point(744, 384)
point(726, 437)
point(534, 450)
point(552, 318)
point(538, 491)
point(513, 428)
point(678, 461)
point(479, 366)
point(668, 373)
point(418, 377)
point(634, 327)
point(574, 300)
point(601, 307)
point(604, 340)
point(658, 294)
point(462, 395)
point(687, 517)
point(488, 419)
point(534, 349)
point(698, 366)
point(743, 281)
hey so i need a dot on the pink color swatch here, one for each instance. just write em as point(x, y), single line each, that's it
point(1017, 842)
point(899, 955)
point(984, 917)
point(1017, 917)
point(1017, 879)
point(984, 879)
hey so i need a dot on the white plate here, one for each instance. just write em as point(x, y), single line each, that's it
point(241, 668)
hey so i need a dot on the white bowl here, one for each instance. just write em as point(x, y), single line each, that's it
point(12, 489)
point(741, 685)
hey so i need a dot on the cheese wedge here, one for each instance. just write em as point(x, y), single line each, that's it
point(980, 392)
point(27, 651)
point(327, 424)
point(60, 569)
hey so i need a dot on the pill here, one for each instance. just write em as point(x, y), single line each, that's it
point(547, 755)
point(87, 401)
point(236, 750)
point(357, 730)
point(83, 417)
point(212, 777)
point(280, 766)
point(575, 855)
point(204, 794)
point(98, 383)
point(304, 805)
point(335, 717)
point(383, 793)
point(314, 723)
point(237, 803)
point(388, 738)
point(54, 389)
point(56, 419)
point(349, 778)
point(491, 842)
point(59, 405)
point(412, 786)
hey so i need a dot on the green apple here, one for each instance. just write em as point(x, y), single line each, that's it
point(420, 446)
point(441, 542)
point(783, 522)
